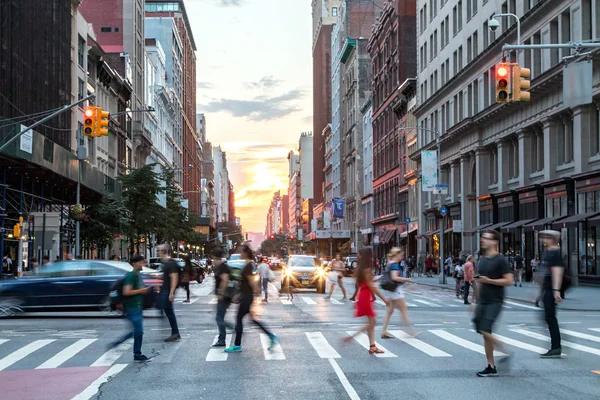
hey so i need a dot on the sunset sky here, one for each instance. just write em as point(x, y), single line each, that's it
point(254, 84)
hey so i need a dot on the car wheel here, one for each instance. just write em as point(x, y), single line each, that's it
point(10, 307)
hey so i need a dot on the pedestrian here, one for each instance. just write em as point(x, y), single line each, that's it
point(518, 264)
point(222, 281)
point(337, 273)
point(133, 300)
point(428, 266)
point(186, 276)
point(420, 268)
point(114, 257)
point(166, 297)
point(469, 276)
point(552, 286)
point(535, 269)
point(364, 302)
point(33, 266)
point(396, 298)
point(246, 298)
point(494, 274)
point(7, 264)
point(264, 272)
point(459, 278)
point(448, 265)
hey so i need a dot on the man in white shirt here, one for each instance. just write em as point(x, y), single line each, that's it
point(263, 271)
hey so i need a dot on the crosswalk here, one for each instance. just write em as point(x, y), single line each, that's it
point(435, 343)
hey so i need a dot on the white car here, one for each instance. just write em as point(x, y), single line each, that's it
point(304, 272)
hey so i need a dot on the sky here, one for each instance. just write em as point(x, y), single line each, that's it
point(254, 84)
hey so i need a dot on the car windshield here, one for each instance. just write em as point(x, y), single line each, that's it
point(235, 257)
point(302, 262)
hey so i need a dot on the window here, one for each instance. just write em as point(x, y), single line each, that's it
point(461, 107)
point(460, 15)
point(447, 30)
point(565, 19)
point(425, 16)
point(116, 29)
point(595, 131)
point(422, 20)
point(421, 60)
point(455, 62)
point(474, 7)
point(454, 21)
point(81, 49)
point(475, 44)
point(105, 29)
point(486, 36)
point(493, 165)
point(486, 90)
point(334, 12)
point(435, 43)
point(447, 69)
point(80, 89)
point(460, 59)
point(443, 74)
point(470, 101)
point(469, 10)
point(504, 21)
point(475, 97)
point(425, 55)
point(469, 49)
point(537, 151)
point(431, 51)
point(443, 32)
point(566, 135)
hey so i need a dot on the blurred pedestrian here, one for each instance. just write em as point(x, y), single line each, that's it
point(166, 297)
point(336, 276)
point(222, 280)
point(396, 298)
point(494, 275)
point(469, 276)
point(33, 265)
point(519, 265)
point(554, 271)
point(263, 272)
point(186, 276)
point(364, 303)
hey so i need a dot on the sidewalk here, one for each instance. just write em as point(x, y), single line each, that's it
point(578, 298)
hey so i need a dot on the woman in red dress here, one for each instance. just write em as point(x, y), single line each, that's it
point(365, 298)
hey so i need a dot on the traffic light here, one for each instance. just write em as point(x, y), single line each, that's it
point(502, 75)
point(272, 237)
point(89, 121)
point(519, 85)
point(101, 122)
point(17, 231)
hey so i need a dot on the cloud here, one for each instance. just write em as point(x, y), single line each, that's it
point(262, 108)
point(228, 3)
point(204, 85)
point(308, 119)
point(266, 82)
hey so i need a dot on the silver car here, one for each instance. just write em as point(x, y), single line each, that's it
point(304, 272)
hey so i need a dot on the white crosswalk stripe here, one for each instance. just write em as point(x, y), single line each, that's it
point(419, 345)
point(218, 353)
point(275, 354)
point(286, 302)
point(66, 354)
point(334, 301)
point(564, 343)
point(594, 329)
point(430, 304)
point(519, 344)
point(580, 335)
point(23, 352)
point(308, 300)
point(363, 340)
point(321, 345)
point(462, 342)
point(512, 303)
point(113, 354)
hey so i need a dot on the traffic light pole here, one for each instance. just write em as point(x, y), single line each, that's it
point(41, 121)
point(570, 45)
point(442, 270)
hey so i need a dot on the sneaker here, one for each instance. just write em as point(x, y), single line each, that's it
point(186, 301)
point(537, 303)
point(488, 371)
point(141, 358)
point(274, 341)
point(554, 353)
point(233, 349)
point(467, 303)
point(173, 338)
point(219, 344)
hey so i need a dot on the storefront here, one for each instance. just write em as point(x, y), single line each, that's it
point(454, 238)
point(385, 238)
point(408, 239)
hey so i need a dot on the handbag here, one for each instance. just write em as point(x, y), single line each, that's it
point(386, 282)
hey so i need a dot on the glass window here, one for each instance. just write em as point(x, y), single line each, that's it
point(334, 11)
point(556, 208)
point(81, 48)
point(563, 205)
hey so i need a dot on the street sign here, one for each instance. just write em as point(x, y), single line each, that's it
point(457, 226)
point(443, 211)
point(440, 188)
point(407, 220)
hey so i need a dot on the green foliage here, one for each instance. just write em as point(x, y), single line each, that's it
point(103, 221)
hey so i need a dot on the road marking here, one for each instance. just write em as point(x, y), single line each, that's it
point(521, 345)
point(581, 335)
point(218, 353)
point(420, 345)
point(462, 342)
point(270, 355)
point(512, 303)
point(94, 387)
point(4, 340)
point(563, 343)
point(286, 302)
point(23, 352)
point(343, 380)
point(213, 301)
point(594, 329)
point(321, 345)
point(308, 300)
point(66, 354)
point(363, 340)
point(113, 354)
point(427, 303)
point(192, 300)
point(596, 372)
point(410, 304)
point(334, 301)
point(503, 306)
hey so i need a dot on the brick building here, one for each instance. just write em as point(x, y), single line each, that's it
point(393, 55)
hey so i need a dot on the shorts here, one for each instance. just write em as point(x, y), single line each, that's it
point(397, 295)
point(485, 316)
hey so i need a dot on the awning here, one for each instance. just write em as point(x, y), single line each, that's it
point(386, 236)
point(517, 224)
point(540, 224)
point(496, 226)
point(477, 229)
point(431, 233)
point(405, 233)
point(594, 221)
point(572, 220)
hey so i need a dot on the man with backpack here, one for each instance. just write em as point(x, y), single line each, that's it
point(222, 281)
point(555, 282)
point(132, 295)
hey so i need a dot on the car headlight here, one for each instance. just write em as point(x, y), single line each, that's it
point(321, 272)
point(288, 272)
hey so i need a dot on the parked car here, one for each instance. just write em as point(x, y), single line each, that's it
point(350, 264)
point(71, 285)
point(303, 272)
point(234, 257)
point(198, 275)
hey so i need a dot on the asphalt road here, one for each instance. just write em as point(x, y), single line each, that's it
point(64, 356)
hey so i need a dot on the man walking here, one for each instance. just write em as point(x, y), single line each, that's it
point(518, 265)
point(133, 300)
point(554, 270)
point(469, 275)
point(166, 296)
point(222, 278)
point(494, 275)
point(263, 272)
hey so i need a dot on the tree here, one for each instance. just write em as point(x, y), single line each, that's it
point(173, 222)
point(103, 221)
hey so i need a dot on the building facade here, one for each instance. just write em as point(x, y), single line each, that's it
point(515, 169)
point(221, 175)
point(392, 50)
point(294, 193)
point(307, 164)
point(275, 213)
point(367, 156)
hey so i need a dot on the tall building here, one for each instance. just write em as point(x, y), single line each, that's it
point(307, 165)
point(192, 162)
point(367, 177)
point(221, 175)
point(294, 193)
point(231, 203)
point(275, 213)
point(208, 200)
point(285, 215)
point(393, 52)
point(517, 169)
point(119, 29)
point(324, 13)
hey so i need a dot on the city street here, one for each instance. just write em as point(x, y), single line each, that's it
point(58, 356)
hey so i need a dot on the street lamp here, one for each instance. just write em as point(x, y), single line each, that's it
point(493, 24)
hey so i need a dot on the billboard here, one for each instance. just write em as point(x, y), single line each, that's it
point(429, 178)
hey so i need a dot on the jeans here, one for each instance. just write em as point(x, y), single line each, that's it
point(466, 292)
point(167, 308)
point(550, 314)
point(265, 286)
point(245, 304)
point(222, 306)
point(137, 333)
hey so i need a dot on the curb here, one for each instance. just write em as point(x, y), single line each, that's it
point(512, 298)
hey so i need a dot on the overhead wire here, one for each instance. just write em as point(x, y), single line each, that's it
point(31, 119)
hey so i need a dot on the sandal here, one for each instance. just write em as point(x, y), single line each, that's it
point(373, 349)
point(386, 335)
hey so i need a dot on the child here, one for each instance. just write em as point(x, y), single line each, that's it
point(364, 305)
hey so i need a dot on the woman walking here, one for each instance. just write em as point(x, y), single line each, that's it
point(396, 298)
point(365, 297)
point(248, 287)
point(186, 276)
point(336, 276)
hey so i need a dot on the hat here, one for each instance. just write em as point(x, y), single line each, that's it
point(550, 233)
point(137, 258)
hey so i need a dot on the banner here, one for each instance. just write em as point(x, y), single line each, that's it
point(429, 170)
point(338, 208)
point(327, 216)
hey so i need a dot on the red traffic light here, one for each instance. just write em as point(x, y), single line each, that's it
point(272, 236)
point(89, 112)
point(502, 72)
